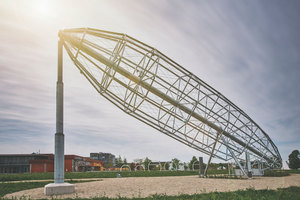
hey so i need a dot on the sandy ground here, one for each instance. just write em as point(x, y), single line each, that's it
point(145, 186)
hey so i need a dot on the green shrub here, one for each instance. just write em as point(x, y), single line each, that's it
point(105, 174)
point(276, 173)
point(33, 176)
point(223, 176)
point(80, 175)
point(293, 171)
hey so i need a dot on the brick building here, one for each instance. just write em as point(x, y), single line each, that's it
point(25, 163)
point(19, 163)
point(107, 158)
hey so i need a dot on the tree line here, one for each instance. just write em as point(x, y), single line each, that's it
point(174, 164)
point(193, 164)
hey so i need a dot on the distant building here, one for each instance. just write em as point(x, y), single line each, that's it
point(106, 158)
point(25, 163)
point(19, 163)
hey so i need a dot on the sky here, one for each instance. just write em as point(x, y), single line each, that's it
point(247, 50)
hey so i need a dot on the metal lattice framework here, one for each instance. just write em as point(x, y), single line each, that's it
point(154, 89)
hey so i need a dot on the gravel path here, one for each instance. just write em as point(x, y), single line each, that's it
point(145, 186)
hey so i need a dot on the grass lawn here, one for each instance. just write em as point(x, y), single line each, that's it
point(291, 193)
point(7, 188)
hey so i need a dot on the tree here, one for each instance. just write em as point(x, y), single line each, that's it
point(146, 162)
point(196, 165)
point(109, 164)
point(138, 166)
point(167, 166)
point(185, 166)
point(175, 163)
point(294, 160)
point(125, 161)
point(132, 166)
point(119, 161)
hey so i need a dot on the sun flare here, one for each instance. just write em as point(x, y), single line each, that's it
point(43, 8)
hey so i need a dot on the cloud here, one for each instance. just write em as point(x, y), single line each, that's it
point(246, 50)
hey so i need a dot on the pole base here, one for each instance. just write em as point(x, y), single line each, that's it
point(59, 188)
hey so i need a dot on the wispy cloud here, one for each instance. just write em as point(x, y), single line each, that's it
point(249, 51)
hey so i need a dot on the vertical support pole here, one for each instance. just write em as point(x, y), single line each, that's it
point(59, 135)
point(201, 166)
point(212, 153)
point(233, 156)
point(248, 163)
point(260, 168)
point(208, 163)
point(59, 186)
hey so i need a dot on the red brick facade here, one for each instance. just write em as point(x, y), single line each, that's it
point(73, 163)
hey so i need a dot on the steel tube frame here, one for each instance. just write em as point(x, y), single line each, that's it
point(95, 83)
point(166, 96)
point(154, 90)
point(95, 46)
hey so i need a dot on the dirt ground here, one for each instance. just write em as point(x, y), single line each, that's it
point(146, 186)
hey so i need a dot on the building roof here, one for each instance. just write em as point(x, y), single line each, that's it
point(52, 157)
point(33, 154)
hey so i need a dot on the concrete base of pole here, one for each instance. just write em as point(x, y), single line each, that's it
point(59, 188)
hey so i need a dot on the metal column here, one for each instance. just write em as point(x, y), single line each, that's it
point(200, 166)
point(248, 163)
point(212, 153)
point(233, 156)
point(59, 135)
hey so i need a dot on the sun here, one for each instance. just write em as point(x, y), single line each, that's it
point(43, 7)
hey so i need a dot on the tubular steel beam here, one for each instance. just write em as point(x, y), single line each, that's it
point(212, 153)
point(77, 42)
point(234, 157)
